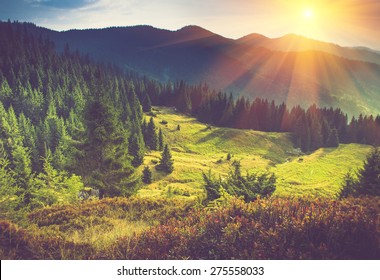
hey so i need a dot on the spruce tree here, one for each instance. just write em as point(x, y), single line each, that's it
point(160, 140)
point(369, 176)
point(147, 175)
point(166, 163)
point(152, 140)
point(106, 165)
point(229, 156)
point(136, 148)
point(333, 139)
point(146, 103)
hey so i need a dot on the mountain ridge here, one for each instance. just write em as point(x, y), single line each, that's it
point(291, 69)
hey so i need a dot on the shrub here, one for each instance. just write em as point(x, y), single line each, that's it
point(265, 229)
point(250, 186)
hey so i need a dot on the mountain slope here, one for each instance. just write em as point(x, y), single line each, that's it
point(291, 69)
point(297, 43)
point(196, 149)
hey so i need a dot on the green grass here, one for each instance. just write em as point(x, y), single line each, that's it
point(320, 173)
point(196, 148)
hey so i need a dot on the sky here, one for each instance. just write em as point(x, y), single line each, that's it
point(345, 22)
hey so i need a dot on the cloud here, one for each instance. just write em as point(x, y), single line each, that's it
point(62, 4)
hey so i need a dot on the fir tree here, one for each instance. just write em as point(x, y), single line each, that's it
point(146, 104)
point(166, 163)
point(349, 186)
point(106, 164)
point(136, 148)
point(160, 140)
point(229, 156)
point(369, 176)
point(333, 139)
point(151, 135)
point(147, 175)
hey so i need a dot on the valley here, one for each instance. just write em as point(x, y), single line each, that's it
point(198, 148)
point(101, 163)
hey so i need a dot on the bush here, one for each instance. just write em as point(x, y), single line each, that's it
point(265, 229)
point(250, 186)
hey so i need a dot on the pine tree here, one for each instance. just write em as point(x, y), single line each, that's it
point(160, 140)
point(349, 186)
point(136, 147)
point(52, 186)
point(369, 176)
point(166, 163)
point(151, 135)
point(147, 175)
point(212, 186)
point(146, 103)
point(106, 166)
point(333, 139)
point(10, 193)
point(229, 156)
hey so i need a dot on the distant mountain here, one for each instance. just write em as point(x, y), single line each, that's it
point(291, 69)
point(296, 43)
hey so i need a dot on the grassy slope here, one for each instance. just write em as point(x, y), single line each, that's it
point(197, 149)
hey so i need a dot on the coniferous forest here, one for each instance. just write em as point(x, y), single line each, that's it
point(74, 135)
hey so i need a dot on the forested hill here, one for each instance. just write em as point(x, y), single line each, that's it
point(64, 122)
point(289, 69)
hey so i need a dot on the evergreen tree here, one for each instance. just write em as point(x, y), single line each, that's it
point(136, 147)
point(333, 139)
point(10, 193)
point(349, 186)
point(166, 163)
point(151, 135)
point(146, 103)
point(229, 156)
point(147, 175)
point(107, 167)
point(369, 176)
point(160, 140)
point(212, 186)
point(52, 186)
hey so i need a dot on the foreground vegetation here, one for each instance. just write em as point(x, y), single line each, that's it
point(265, 229)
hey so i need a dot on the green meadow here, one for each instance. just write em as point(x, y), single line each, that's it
point(198, 148)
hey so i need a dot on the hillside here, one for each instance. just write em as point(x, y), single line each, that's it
point(289, 69)
point(198, 148)
point(297, 43)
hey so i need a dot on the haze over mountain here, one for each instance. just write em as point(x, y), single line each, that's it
point(291, 69)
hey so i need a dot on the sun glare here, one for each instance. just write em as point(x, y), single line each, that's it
point(308, 14)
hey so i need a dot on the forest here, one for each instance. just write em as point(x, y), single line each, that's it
point(72, 129)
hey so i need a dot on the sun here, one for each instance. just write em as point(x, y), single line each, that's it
point(308, 13)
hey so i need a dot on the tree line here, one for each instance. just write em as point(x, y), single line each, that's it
point(311, 128)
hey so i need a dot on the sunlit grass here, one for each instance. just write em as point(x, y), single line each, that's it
point(198, 148)
point(320, 173)
point(101, 237)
